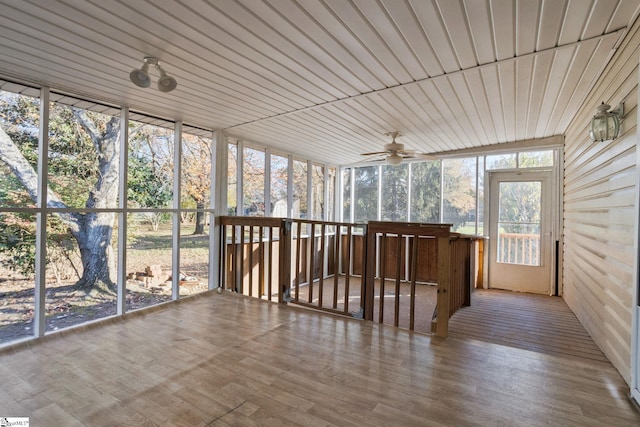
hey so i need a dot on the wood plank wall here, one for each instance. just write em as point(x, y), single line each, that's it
point(599, 211)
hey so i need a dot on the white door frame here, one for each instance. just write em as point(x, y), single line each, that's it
point(556, 221)
point(547, 233)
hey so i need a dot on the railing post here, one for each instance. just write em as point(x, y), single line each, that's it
point(284, 269)
point(444, 280)
point(222, 255)
point(369, 259)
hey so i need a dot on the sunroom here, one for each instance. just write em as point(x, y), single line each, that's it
point(143, 146)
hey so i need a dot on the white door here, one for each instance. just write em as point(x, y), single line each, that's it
point(520, 232)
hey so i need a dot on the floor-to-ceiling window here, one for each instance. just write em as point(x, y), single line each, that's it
point(194, 219)
point(450, 190)
point(19, 151)
point(149, 261)
point(110, 238)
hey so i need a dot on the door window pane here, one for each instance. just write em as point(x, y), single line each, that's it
point(519, 222)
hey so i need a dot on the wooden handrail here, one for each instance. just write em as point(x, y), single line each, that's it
point(317, 255)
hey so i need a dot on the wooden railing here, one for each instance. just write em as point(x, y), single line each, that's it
point(326, 257)
point(342, 268)
point(255, 256)
point(445, 258)
point(516, 248)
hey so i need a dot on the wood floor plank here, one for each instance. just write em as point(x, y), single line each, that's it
point(532, 322)
point(227, 360)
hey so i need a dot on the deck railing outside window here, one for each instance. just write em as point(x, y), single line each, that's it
point(515, 248)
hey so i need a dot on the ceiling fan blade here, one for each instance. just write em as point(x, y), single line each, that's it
point(425, 156)
point(375, 153)
point(370, 159)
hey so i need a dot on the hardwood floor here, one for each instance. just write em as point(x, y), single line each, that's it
point(217, 360)
point(531, 322)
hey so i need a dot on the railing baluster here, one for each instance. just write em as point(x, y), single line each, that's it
point(321, 259)
point(298, 258)
point(347, 272)
point(413, 267)
point(224, 265)
point(383, 258)
point(311, 249)
point(396, 316)
point(234, 260)
point(270, 264)
point(250, 249)
point(261, 263)
point(337, 237)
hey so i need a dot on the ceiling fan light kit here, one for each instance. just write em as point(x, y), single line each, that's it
point(394, 159)
point(140, 77)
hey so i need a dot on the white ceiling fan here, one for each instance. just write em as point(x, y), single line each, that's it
point(394, 152)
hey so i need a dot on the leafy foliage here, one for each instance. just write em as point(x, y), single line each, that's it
point(146, 186)
point(18, 242)
point(459, 195)
point(425, 192)
point(395, 186)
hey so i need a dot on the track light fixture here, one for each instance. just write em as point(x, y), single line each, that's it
point(140, 77)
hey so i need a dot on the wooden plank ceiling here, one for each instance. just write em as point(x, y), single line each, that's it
point(326, 79)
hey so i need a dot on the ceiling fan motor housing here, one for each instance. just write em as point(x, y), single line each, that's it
point(393, 147)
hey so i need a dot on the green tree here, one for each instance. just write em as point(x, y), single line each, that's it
point(366, 193)
point(459, 193)
point(195, 182)
point(395, 185)
point(82, 145)
point(425, 191)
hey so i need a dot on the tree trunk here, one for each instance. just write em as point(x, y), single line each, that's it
point(94, 243)
point(199, 218)
point(92, 230)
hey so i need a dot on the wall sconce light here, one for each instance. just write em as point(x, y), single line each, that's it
point(605, 124)
point(140, 77)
